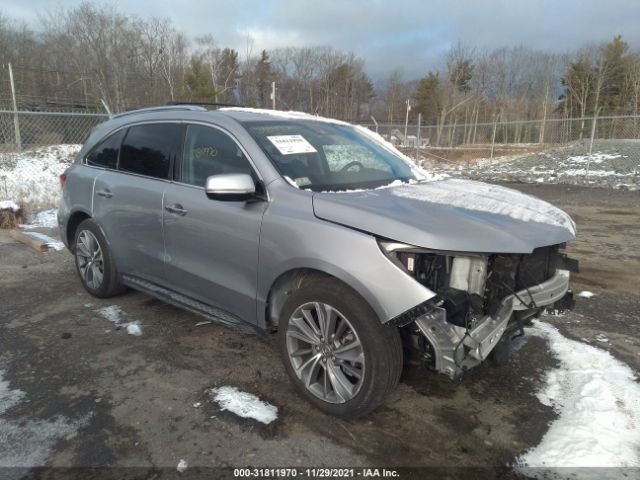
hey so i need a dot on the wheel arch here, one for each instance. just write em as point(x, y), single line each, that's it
point(293, 279)
point(75, 219)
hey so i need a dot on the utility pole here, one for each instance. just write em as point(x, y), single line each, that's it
point(273, 95)
point(594, 120)
point(418, 139)
point(406, 121)
point(16, 122)
point(493, 134)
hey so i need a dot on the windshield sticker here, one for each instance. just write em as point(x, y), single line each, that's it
point(291, 144)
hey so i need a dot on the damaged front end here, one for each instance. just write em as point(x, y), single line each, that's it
point(482, 301)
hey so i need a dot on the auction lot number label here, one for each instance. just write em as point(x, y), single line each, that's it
point(315, 473)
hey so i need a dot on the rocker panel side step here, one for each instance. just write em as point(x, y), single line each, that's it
point(214, 314)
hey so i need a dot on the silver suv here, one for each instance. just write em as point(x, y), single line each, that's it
point(322, 231)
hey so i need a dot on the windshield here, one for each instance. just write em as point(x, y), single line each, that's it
point(327, 156)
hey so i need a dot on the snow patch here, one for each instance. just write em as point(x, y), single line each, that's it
point(9, 205)
point(291, 182)
point(43, 219)
point(564, 164)
point(114, 314)
point(134, 328)
point(26, 443)
point(52, 243)
point(598, 403)
point(483, 197)
point(586, 294)
point(395, 183)
point(290, 114)
point(182, 466)
point(32, 177)
point(594, 158)
point(8, 396)
point(582, 172)
point(245, 405)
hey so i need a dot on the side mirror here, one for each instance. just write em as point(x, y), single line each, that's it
point(230, 187)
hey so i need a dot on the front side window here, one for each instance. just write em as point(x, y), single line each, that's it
point(208, 151)
point(328, 156)
point(148, 149)
point(106, 153)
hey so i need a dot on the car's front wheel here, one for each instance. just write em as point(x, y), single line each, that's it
point(94, 264)
point(335, 349)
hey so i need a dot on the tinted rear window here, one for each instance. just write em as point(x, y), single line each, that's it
point(106, 153)
point(148, 149)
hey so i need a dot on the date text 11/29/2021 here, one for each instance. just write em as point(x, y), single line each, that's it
point(315, 473)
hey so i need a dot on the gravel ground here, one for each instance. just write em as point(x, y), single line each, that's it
point(614, 163)
point(76, 390)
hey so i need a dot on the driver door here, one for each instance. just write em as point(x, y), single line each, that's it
point(211, 245)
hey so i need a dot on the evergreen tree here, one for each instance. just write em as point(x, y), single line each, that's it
point(613, 64)
point(264, 77)
point(197, 80)
point(427, 98)
point(461, 73)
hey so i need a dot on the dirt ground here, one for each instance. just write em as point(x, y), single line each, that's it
point(96, 396)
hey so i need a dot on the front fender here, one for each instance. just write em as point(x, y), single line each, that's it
point(289, 242)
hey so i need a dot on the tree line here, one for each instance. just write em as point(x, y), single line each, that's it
point(84, 56)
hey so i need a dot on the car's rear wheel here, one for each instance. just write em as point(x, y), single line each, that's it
point(335, 349)
point(94, 264)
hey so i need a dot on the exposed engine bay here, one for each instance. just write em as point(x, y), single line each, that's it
point(482, 301)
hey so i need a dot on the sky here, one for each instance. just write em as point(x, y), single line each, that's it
point(410, 35)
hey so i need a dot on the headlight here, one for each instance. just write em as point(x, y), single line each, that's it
point(389, 247)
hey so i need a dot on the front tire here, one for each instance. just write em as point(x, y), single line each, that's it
point(338, 354)
point(94, 264)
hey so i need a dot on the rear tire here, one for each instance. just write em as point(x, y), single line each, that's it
point(336, 351)
point(94, 263)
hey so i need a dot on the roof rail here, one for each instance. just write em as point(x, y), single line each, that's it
point(208, 104)
point(161, 109)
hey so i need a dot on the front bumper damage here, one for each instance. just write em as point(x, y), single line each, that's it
point(456, 349)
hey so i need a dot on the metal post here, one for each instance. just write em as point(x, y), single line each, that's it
point(418, 136)
point(106, 107)
point(16, 122)
point(593, 134)
point(374, 122)
point(273, 95)
point(406, 121)
point(493, 135)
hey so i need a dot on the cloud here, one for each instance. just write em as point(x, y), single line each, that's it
point(409, 34)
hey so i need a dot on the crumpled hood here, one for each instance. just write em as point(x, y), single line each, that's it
point(452, 214)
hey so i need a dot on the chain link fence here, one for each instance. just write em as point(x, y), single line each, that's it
point(21, 131)
point(36, 146)
point(596, 151)
point(514, 133)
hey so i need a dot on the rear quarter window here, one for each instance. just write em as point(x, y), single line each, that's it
point(148, 149)
point(105, 154)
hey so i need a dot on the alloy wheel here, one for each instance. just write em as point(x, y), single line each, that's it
point(325, 352)
point(89, 259)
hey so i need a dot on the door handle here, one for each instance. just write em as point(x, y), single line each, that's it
point(176, 209)
point(104, 193)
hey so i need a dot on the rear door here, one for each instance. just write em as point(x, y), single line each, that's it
point(128, 202)
point(211, 245)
